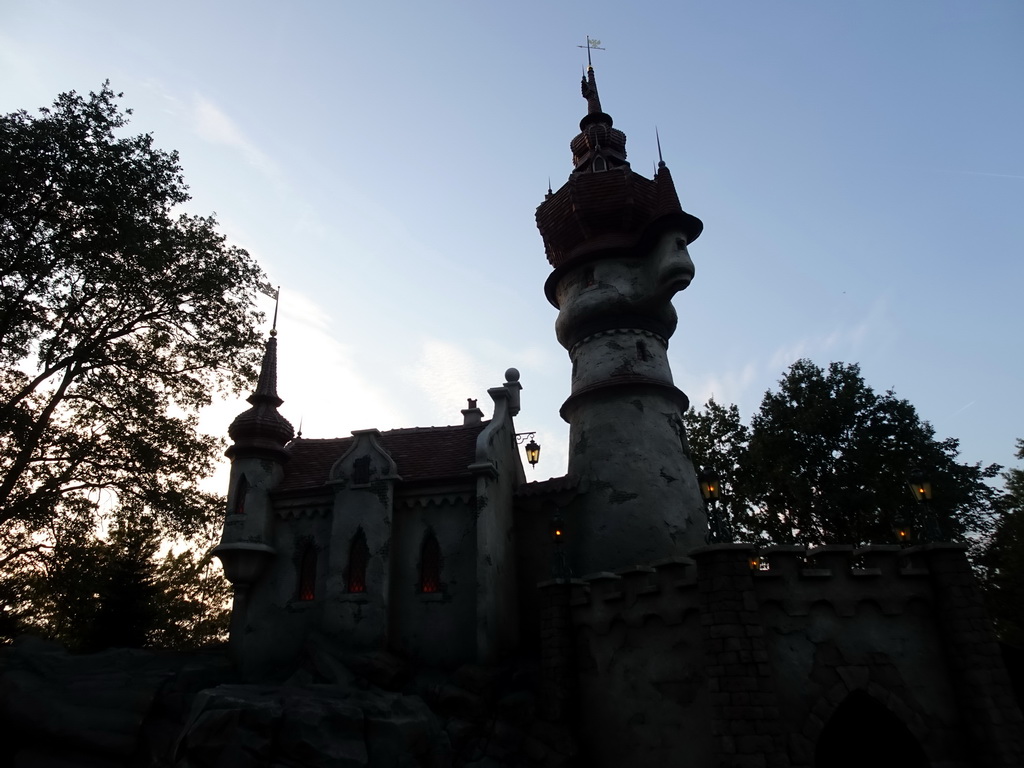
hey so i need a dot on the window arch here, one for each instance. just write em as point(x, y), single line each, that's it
point(307, 572)
point(241, 491)
point(358, 559)
point(430, 564)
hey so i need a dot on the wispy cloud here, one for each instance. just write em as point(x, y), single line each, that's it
point(214, 125)
point(448, 374)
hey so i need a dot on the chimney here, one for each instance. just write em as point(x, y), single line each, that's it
point(471, 414)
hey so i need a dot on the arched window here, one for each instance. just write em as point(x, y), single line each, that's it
point(307, 572)
point(241, 491)
point(430, 564)
point(600, 164)
point(358, 559)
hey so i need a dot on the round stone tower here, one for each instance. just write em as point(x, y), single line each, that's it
point(618, 244)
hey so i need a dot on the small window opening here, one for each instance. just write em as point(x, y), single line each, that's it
point(307, 572)
point(642, 352)
point(600, 164)
point(358, 559)
point(430, 564)
point(361, 470)
point(241, 491)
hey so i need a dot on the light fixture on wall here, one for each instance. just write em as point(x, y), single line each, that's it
point(532, 448)
point(901, 528)
point(921, 487)
point(711, 489)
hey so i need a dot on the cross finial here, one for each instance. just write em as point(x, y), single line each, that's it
point(592, 45)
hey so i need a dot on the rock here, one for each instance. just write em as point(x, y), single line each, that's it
point(383, 669)
point(518, 707)
point(475, 678)
point(456, 701)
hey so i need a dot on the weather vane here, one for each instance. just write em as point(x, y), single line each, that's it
point(592, 45)
point(271, 292)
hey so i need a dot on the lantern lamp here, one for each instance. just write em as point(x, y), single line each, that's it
point(902, 530)
point(532, 452)
point(710, 486)
point(919, 486)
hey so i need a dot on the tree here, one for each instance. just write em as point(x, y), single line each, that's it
point(126, 589)
point(717, 440)
point(827, 459)
point(1002, 560)
point(120, 317)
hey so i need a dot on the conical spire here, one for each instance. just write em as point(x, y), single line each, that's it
point(266, 387)
point(261, 428)
point(598, 147)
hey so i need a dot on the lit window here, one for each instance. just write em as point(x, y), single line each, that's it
point(430, 564)
point(307, 572)
point(358, 559)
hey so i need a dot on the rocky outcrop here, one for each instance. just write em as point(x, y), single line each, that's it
point(134, 708)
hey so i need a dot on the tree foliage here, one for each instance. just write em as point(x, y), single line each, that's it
point(125, 589)
point(120, 317)
point(826, 460)
point(1002, 559)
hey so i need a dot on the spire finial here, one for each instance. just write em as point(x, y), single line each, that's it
point(593, 44)
point(657, 138)
point(298, 436)
point(273, 293)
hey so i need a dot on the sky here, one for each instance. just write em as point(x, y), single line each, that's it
point(859, 169)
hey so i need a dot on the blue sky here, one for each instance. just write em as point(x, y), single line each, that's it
point(858, 166)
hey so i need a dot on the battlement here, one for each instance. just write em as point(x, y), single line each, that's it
point(792, 578)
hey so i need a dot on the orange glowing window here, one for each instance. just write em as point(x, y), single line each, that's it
point(358, 559)
point(430, 564)
point(307, 572)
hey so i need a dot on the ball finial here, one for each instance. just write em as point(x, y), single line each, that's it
point(511, 375)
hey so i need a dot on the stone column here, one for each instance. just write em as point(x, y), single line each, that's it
point(976, 666)
point(745, 721)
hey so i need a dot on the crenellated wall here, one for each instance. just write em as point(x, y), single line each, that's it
point(736, 656)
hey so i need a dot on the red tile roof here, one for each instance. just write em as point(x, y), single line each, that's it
point(421, 453)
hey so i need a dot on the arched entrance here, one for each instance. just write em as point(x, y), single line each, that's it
point(862, 732)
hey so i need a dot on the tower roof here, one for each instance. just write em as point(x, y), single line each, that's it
point(262, 427)
point(605, 206)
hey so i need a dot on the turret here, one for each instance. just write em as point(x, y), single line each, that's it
point(618, 244)
point(257, 455)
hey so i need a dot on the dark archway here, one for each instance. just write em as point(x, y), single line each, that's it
point(862, 732)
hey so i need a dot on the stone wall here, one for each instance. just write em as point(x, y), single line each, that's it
point(741, 658)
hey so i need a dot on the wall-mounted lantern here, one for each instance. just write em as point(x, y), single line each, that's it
point(710, 486)
point(901, 529)
point(922, 490)
point(532, 448)
point(919, 486)
point(711, 489)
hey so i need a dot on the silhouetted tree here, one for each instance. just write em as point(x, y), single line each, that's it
point(826, 460)
point(120, 317)
point(1002, 560)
